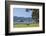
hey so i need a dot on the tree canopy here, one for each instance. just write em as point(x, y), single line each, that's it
point(35, 14)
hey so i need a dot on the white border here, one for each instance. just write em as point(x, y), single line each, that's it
point(12, 29)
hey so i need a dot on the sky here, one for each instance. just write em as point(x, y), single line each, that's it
point(21, 12)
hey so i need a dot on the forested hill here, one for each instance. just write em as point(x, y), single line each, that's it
point(22, 19)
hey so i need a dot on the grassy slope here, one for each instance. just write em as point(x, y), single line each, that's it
point(25, 25)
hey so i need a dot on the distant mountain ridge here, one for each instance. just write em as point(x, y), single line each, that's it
point(21, 19)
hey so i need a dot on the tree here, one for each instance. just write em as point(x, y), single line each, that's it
point(35, 15)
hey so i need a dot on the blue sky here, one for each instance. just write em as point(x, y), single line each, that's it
point(21, 12)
